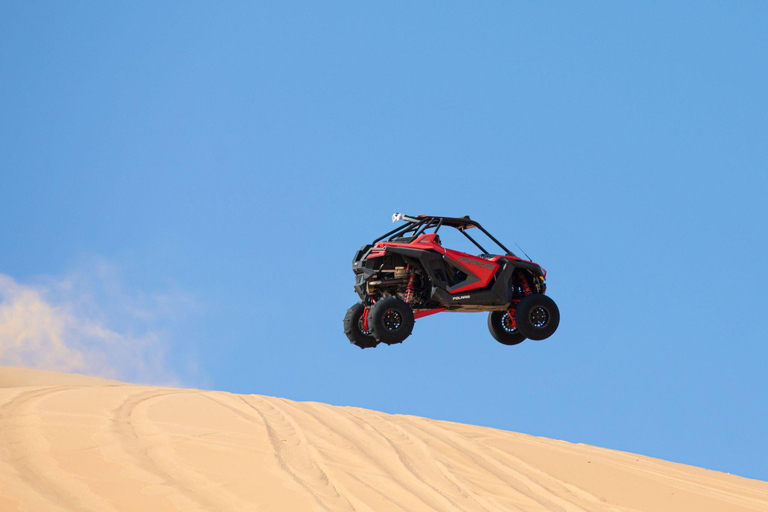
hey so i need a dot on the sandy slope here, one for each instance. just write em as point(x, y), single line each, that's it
point(81, 444)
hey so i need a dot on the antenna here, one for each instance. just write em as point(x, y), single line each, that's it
point(526, 254)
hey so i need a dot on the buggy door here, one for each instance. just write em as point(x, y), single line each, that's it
point(479, 271)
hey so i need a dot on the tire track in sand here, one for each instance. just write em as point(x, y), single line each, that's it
point(28, 452)
point(551, 493)
point(389, 430)
point(199, 491)
point(417, 488)
point(295, 455)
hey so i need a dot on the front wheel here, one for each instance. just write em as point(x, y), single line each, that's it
point(355, 330)
point(391, 320)
point(537, 316)
point(503, 328)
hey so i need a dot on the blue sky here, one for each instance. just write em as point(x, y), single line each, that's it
point(198, 176)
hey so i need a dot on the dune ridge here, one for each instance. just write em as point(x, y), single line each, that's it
point(76, 443)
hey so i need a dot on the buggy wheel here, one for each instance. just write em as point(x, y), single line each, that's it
point(537, 316)
point(354, 329)
point(391, 320)
point(503, 328)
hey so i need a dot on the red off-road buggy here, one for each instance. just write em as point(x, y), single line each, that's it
point(407, 274)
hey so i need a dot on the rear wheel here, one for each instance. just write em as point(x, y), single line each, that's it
point(391, 320)
point(354, 327)
point(537, 316)
point(503, 328)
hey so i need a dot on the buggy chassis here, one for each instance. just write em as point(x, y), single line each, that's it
point(407, 274)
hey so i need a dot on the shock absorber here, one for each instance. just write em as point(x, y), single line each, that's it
point(366, 312)
point(525, 286)
point(365, 319)
point(411, 285)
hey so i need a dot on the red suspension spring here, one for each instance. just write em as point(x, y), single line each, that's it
point(411, 286)
point(525, 286)
point(365, 318)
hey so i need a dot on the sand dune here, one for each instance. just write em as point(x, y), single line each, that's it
point(74, 443)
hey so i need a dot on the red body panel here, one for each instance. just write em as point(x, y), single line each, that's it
point(421, 313)
point(424, 242)
point(481, 268)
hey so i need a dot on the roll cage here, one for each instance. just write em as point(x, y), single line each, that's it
point(417, 225)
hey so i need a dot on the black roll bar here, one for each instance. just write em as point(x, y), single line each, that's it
point(483, 251)
point(423, 223)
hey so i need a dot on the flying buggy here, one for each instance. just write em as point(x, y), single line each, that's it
point(407, 274)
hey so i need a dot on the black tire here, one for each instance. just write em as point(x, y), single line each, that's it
point(500, 325)
point(391, 320)
point(353, 327)
point(537, 316)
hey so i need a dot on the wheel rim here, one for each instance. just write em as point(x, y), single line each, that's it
point(361, 326)
point(539, 317)
point(392, 320)
point(506, 323)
